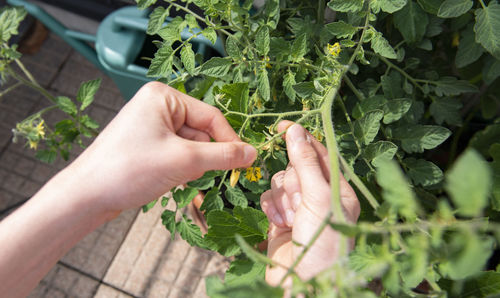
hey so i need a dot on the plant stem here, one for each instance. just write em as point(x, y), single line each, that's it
point(32, 85)
point(321, 12)
point(4, 92)
point(359, 184)
point(355, 90)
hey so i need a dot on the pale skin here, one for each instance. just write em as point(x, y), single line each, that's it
point(159, 140)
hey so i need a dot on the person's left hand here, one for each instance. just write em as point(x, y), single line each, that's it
point(159, 140)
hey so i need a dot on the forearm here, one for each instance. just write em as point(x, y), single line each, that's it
point(40, 232)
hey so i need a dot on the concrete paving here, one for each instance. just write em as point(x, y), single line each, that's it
point(131, 256)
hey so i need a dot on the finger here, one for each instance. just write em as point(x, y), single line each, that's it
point(349, 201)
point(267, 205)
point(189, 133)
point(281, 200)
point(291, 184)
point(221, 155)
point(304, 159)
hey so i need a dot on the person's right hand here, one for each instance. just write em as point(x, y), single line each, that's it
point(297, 204)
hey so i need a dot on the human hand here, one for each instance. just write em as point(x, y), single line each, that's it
point(297, 204)
point(160, 139)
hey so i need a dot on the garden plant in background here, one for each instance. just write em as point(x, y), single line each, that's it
point(404, 93)
point(60, 138)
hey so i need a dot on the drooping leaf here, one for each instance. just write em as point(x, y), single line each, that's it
point(190, 232)
point(366, 128)
point(168, 220)
point(380, 151)
point(86, 92)
point(212, 201)
point(411, 21)
point(187, 58)
point(184, 196)
point(299, 47)
point(454, 8)
point(171, 32)
point(235, 196)
point(341, 29)
point(262, 40)
point(161, 65)
point(263, 84)
point(232, 48)
point(469, 182)
point(288, 83)
point(396, 189)
point(423, 172)
point(156, 20)
point(66, 105)
point(446, 110)
point(210, 34)
point(487, 27)
point(216, 67)
point(206, 181)
point(346, 5)
point(418, 138)
point(381, 46)
point(10, 19)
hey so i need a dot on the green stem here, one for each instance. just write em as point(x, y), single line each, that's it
point(4, 92)
point(359, 184)
point(355, 90)
point(34, 86)
point(482, 4)
point(321, 12)
point(26, 72)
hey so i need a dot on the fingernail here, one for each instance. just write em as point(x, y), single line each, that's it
point(250, 153)
point(289, 217)
point(296, 199)
point(296, 135)
point(278, 219)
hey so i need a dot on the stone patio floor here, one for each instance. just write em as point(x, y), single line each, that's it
point(131, 256)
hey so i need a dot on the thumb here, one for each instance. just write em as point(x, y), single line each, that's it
point(224, 155)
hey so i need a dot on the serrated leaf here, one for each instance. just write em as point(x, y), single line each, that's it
point(411, 21)
point(482, 140)
point(390, 6)
point(212, 201)
point(346, 5)
point(156, 20)
point(244, 272)
point(423, 172)
point(376, 102)
point(263, 84)
point(454, 8)
point(232, 48)
point(216, 67)
point(468, 182)
point(485, 284)
point(487, 27)
point(161, 65)
point(87, 91)
point(204, 182)
point(235, 196)
point(148, 206)
point(468, 50)
point(430, 6)
point(171, 32)
point(184, 196)
point(145, 3)
point(191, 21)
point(190, 232)
point(380, 151)
point(396, 189)
point(446, 110)
point(89, 122)
point(168, 220)
point(366, 128)
point(449, 86)
point(299, 47)
point(391, 85)
point(238, 94)
point(341, 29)
point(371, 261)
point(250, 223)
point(414, 264)
point(47, 156)
point(395, 109)
point(66, 105)
point(304, 89)
point(381, 46)
point(187, 58)
point(418, 138)
point(262, 40)
point(10, 18)
point(210, 34)
point(288, 83)
point(491, 70)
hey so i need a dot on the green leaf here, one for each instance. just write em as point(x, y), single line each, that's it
point(251, 253)
point(216, 67)
point(299, 47)
point(379, 152)
point(304, 89)
point(288, 83)
point(371, 261)
point(191, 21)
point(423, 172)
point(487, 27)
point(171, 32)
point(418, 138)
point(89, 122)
point(468, 182)
point(467, 254)
point(156, 20)
point(66, 105)
point(411, 21)
point(376, 102)
point(87, 91)
point(244, 272)
point(145, 3)
point(168, 220)
point(485, 284)
point(184, 196)
point(389, 6)
point(263, 84)
point(210, 34)
point(430, 6)
point(491, 70)
point(395, 109)
point(381, 46)
point(414, 264)
point(451, 86)
point(187, 58)
point(366, 128)
point(232, 48)
point(250, 223)
point(495, 166)
point(482, 140)
point(468, 50)
point(10, 19)
point(446, 110)
point(212, 201)
point(391, 85)
point(161, 65)
point(204, 182)
point(341, 29)
point(346, 5)
point(396, 189)
point(190, 232)
point(454, 8)
point(148, 206)
point(237, 93)
point(47, 156)
point(262, 40)
point(235, 196)
point(164, 201)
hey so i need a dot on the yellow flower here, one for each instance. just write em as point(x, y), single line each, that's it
point(333, 50)
point(268, 65)
point(253, 174)
point(33, 144)
point(40, 129)
point(235, 176)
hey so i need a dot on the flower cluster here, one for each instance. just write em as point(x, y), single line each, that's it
point(333, 50)
point(32, 129)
